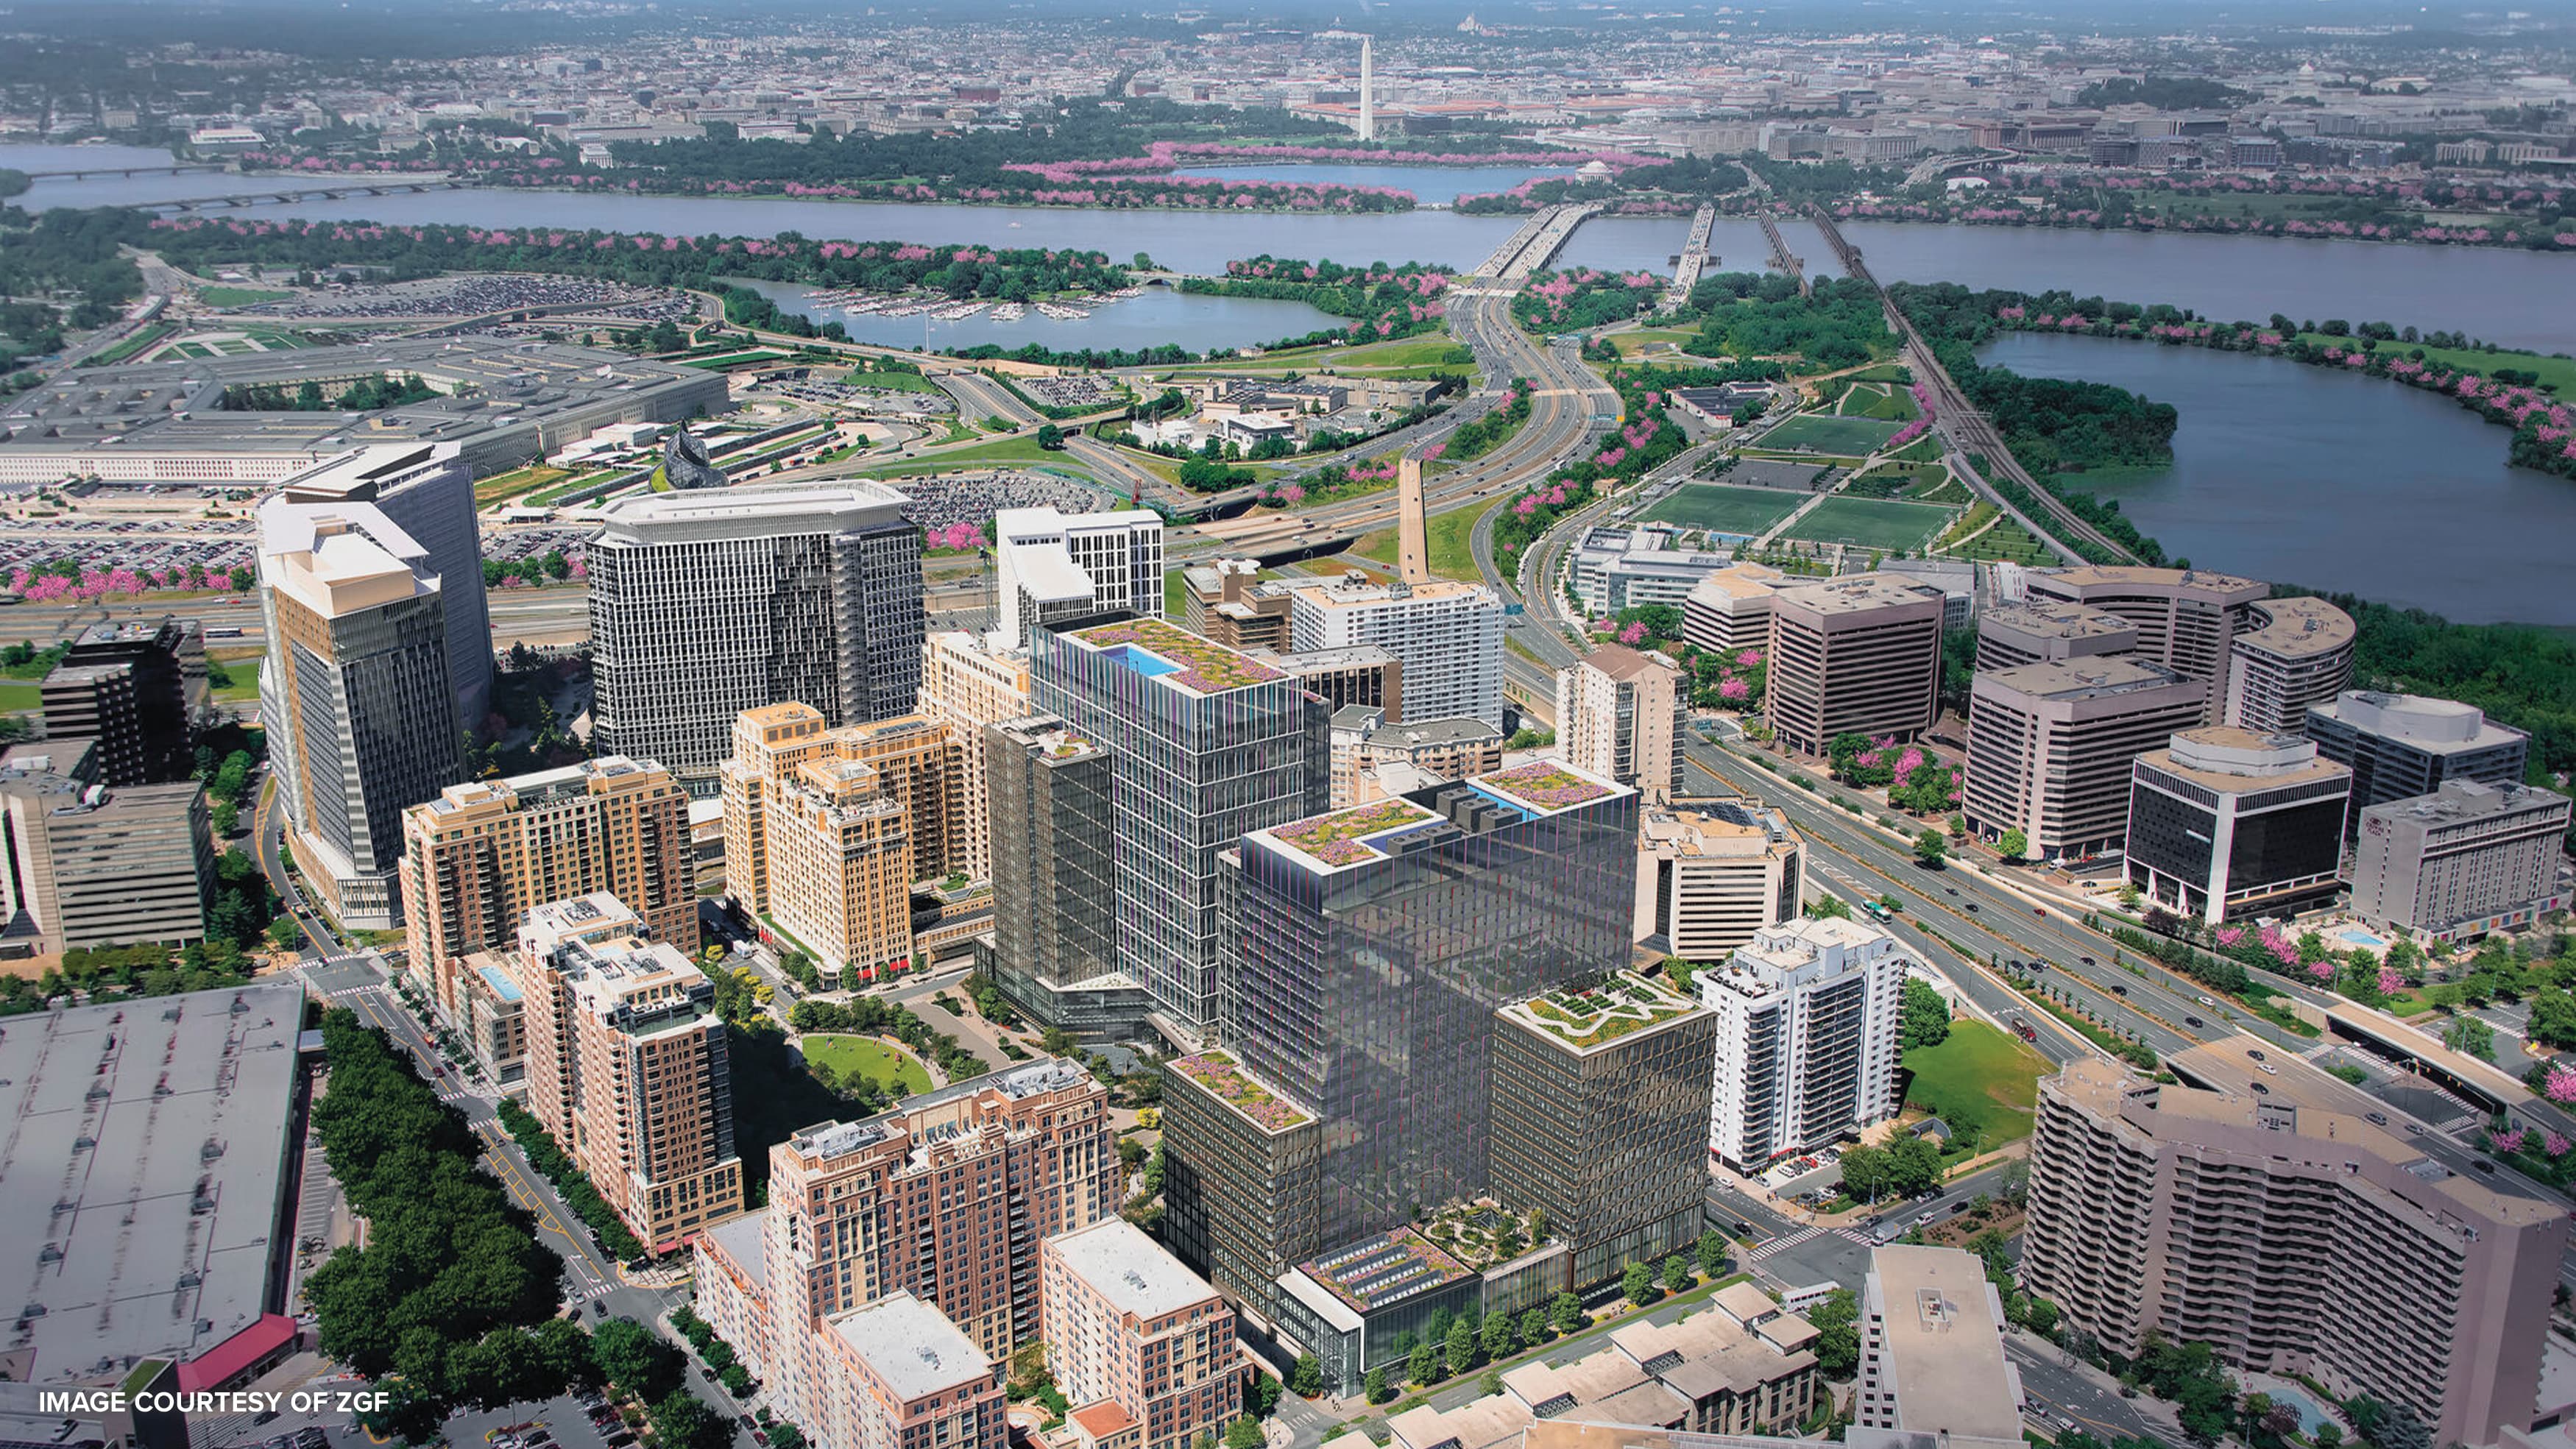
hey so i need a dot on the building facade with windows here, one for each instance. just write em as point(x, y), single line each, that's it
point(903, 1377)
point(2460, 862)
point(2297, 655)
point(1448, 634)
point(1204, 744)
point(1127, 1324)
point(1932, 1354)
point(1623, 716)
point(356, 696)
point(2050, 747)
point(1712, 875)
point(481, 855)
point(1807, 1022)
point(2224, 822)
point(2267, 1210)
point(2187, 619)
point(1055, 565)
point(706, 604)
point(427, 489)
point(2400, 746)
point(87, 864)
point(1860, 655)
point(627, 1067)
point(1054, 949)
point(1600, 1118)
point(967, 683)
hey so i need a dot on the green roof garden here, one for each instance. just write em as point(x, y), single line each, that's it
point(1339, 837)
point(1155, 648)
point(1224, 1079)
point(1542, 785)
point(1385, 1269)
point(1593, 1016)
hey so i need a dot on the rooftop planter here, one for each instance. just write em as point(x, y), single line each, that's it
point(1543, 785)
point(1206, 666)
point(1224, 1079)
point(1605, 1013)
point(1440, 1268)
point(1335, 839)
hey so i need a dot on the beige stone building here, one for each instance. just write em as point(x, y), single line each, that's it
point(945, 1198)
point(478, 857)
point(1711, 875)
point(828, 830)
point(1730, 610)
point(1858, 655)
point(2278, 1215)
point(2298, 655)
point(2051, 745)
point(1932, 1354)
point(1622, 715)
point(627, 1067)
point(967, 685)
point(2187, 619)
point(2013, 634)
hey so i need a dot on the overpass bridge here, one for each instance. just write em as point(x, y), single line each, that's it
point(1537, 242)
point(1694, 257)
point(1781, 259)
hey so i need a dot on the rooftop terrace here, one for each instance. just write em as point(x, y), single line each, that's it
point(1154, 648)
point(1586, 1018)
point(1224, 1078)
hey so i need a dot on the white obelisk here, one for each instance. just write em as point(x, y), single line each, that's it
point(1368, 91)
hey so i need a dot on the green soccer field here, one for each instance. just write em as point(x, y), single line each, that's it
point(1825, 433)
point(1872, 523)
point(1721, 509)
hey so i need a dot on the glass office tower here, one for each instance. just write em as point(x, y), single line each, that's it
point(1367, 950)
point(1204, 745)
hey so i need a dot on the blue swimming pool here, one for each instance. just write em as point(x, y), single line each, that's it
point(1142, 662)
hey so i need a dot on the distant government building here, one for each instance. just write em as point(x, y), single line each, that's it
point(504, 402)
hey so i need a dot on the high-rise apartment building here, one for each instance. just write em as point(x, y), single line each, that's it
point(2273, 1213)
point(1204, 744)
point(136, 688)
point(1600, 1118)
point(2187, 619)
point(2404, 745)
point(356, 696)
point(483, 854)
point(1711, 876)
point(1932, 1354)
point(1373, 758)
point(1055, 896)
point(427, 489)
point(627, 1068)
point(2460, 862)
point(2224, 822)
point(706, 604)
point(944, 1198)
point(2297, 655)
point(1224, 602)
point(1365, 954)
point(2034, 631)
point(1056, 566)
point(2050, 747)
point(84, 863)
point(1623, 716)
point(1858, 655)
point(1729, 611)
point(1807, 1027)
point(821, 828)
point(1448, 634)
point(1127, 1324)
point(902, 1377)
point(967, 684)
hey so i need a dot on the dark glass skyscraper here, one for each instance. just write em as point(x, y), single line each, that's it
point(1365, 954)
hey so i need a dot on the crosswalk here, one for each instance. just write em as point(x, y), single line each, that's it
point(1803, 1235)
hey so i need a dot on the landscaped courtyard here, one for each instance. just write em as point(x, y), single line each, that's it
point(852, 1057)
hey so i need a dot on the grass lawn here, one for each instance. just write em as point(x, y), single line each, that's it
point(1721, 508)
point(148, 337)
point(1877, 400)
point(501, 486)
point(1825, 433)
point(2559, 370)
point(1883, 372)
point(735, 359)
point(1981, 1081)
point(1935, 485)
point(21, 698)
point(891, 381)
point(865, 1056)
point(1650, 339)
point(1004, 453)
point(1871, 523)
point(1453, 553)
point(237, 296)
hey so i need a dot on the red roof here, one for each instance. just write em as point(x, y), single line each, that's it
point(233, 1357)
